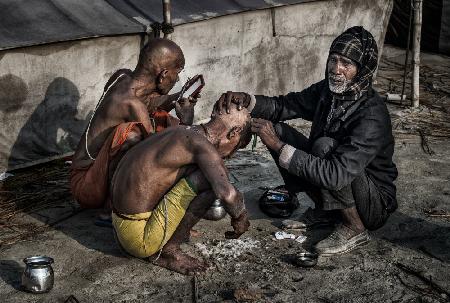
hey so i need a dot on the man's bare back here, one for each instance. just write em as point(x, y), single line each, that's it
point(159, 162)
point(119, 105)
point(183, 165)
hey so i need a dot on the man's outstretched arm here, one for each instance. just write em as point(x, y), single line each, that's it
point(214, 170)
point(164, 102)
point(184, 108)
point(279, 108)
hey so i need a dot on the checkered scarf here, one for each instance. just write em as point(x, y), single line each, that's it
point(359, 45)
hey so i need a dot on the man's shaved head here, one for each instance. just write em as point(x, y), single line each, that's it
point(160, 62)
point(158, 54)
point(236, 118)
point(237, 129)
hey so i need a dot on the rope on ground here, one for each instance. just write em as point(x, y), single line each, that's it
point(424, 143)
point(36, 230)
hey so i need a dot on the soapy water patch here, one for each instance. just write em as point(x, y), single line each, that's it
point(227, 249)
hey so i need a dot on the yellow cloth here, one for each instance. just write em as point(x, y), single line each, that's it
point(141, 235)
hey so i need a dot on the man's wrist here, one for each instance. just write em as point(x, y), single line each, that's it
point(286, 154)
point(241, 215)
point(277, 146)
point(238, 210)
point(252, 102)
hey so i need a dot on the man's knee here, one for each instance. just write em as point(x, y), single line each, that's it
point(323, 146)
point(279, 129)
point(291, 136)
point(197, 180)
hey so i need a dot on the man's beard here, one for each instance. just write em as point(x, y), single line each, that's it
point(337, 84)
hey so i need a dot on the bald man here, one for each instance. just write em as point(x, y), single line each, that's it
point(134, 105)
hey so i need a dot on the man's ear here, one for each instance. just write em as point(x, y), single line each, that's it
point(162, 74)
point(235, 131)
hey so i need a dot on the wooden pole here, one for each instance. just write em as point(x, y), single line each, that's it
point(416, 51)
point(167, 16)
point(408, 44)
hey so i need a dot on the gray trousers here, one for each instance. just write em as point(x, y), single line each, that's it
point(362, 193)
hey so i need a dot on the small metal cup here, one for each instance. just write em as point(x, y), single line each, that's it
point(215, 212)
point(306, 259)
point(38, 276)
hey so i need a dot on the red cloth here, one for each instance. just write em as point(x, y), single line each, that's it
point(89, 184)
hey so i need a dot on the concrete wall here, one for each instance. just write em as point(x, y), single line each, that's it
point(47, 92)
point(239, 52)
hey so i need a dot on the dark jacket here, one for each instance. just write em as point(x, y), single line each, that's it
point(363, 132)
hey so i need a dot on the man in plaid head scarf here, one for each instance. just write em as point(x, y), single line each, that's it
point(345, 165)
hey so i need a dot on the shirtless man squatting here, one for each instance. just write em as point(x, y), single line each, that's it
point(165, 184)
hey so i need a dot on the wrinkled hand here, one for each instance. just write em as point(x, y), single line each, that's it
point(264, 129)
point(240, 226)
point(224, 102)
point(184, 109)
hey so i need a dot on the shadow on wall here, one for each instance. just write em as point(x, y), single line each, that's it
point(52, 129)
point(13, 94)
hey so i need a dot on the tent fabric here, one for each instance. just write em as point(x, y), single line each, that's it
point(33, 22)
point(185, 11)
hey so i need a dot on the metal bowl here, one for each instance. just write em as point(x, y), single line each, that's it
point(215, 212)
point(306, 259)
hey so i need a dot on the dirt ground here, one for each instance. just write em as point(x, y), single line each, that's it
point(406, 261)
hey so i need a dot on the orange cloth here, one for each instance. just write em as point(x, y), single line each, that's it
point(163, 120)
point(89, 184)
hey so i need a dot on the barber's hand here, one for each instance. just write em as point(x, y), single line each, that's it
point(264, 129)
point(238, 98)
point(240, 226)
point(184, 110)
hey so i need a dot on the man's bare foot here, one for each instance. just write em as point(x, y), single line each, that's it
point(192, 233)
point(180, 262)
point(195, 233)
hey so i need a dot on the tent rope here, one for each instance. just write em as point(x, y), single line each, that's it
point(165, 28)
